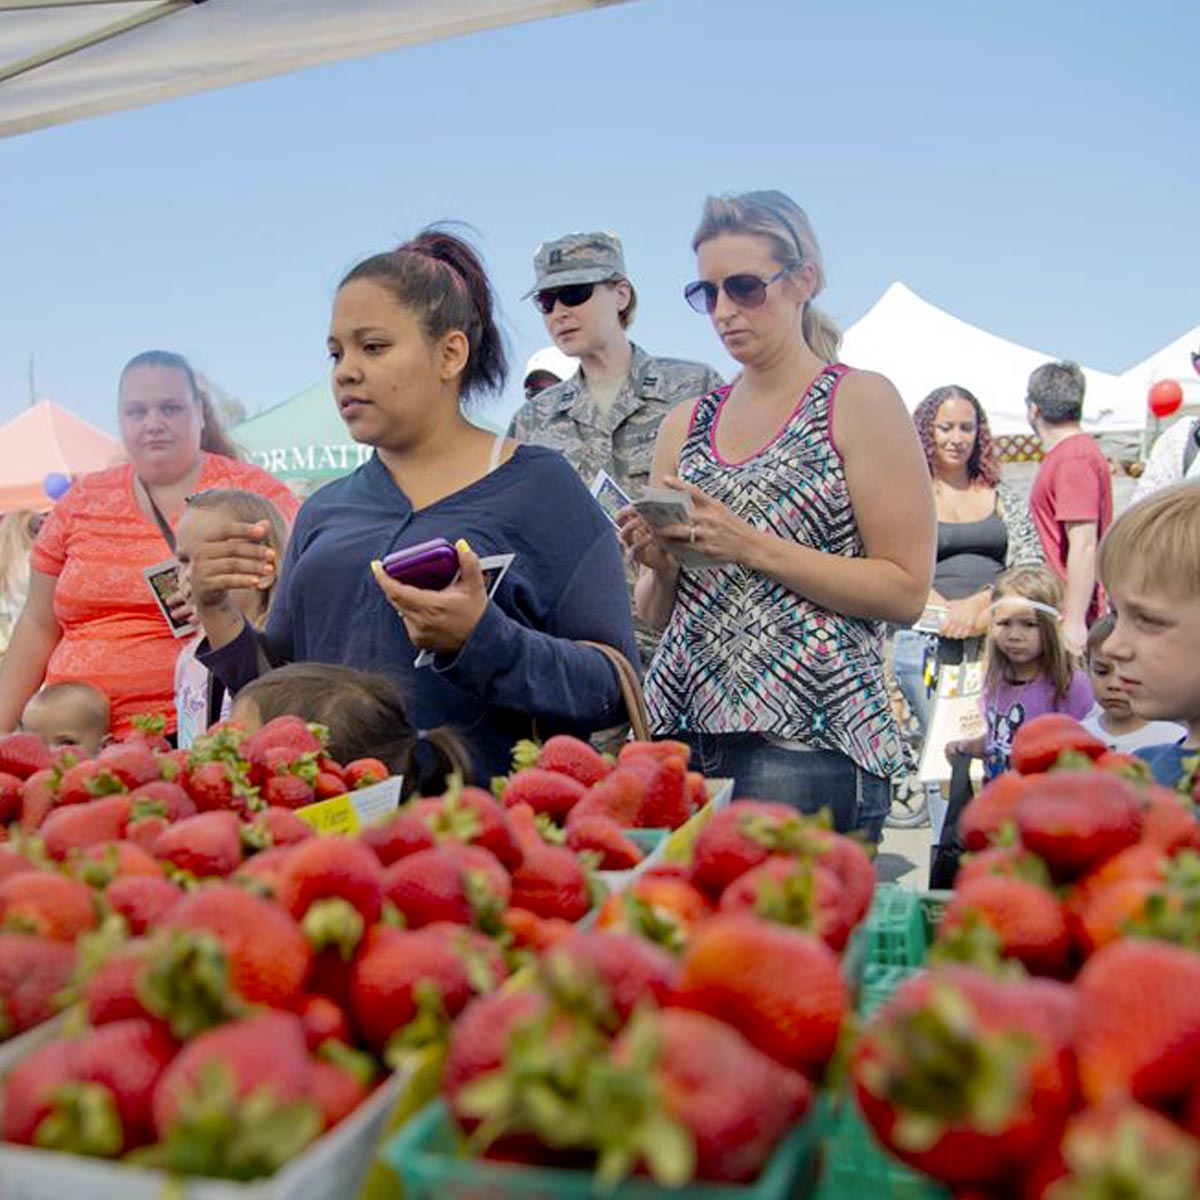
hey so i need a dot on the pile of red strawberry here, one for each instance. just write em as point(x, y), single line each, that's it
point(622, 1056)
point(243, 982)
point(1053, 1047)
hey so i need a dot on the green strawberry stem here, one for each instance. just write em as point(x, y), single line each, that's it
point(526, 754)
point(218, 1135)
point(334, 923)
point(83, 1120)
point(186, 983)
point(1128, 1162)
point(356, 1063)
point(974, 942)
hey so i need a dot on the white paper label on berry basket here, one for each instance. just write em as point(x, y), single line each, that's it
point(348, 814)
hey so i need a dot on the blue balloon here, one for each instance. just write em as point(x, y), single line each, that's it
point(55, 484)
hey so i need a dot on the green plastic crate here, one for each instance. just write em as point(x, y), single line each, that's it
point(427, 1155)
point(857, 1168)
point(896, 935)
point(880, 980)
point(933, 904)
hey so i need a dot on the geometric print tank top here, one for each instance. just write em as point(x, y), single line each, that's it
point(743, 654)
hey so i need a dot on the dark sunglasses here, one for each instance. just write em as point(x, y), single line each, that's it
point(746, 291)
point(572, 296)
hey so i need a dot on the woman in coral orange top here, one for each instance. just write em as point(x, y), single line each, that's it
point(91, 613)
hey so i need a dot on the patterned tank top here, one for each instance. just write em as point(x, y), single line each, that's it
point(744, 654)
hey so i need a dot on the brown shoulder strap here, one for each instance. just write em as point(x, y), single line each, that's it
point(631, 689)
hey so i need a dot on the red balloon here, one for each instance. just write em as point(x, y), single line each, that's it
point(1165, 397)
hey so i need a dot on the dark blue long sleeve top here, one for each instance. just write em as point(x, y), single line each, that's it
point(523, 661)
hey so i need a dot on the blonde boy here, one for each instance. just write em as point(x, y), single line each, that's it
point(1150, 566)
point(71, 715)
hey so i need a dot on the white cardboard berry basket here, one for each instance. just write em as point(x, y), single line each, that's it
point(332, 1168)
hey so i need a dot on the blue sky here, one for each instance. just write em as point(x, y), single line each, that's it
point(1031, 167)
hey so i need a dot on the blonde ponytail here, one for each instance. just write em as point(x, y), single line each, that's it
point(822, 335)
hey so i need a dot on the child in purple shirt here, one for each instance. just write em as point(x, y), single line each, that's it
point(1030, 671)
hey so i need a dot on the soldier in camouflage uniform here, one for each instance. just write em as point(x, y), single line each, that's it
point(606, 416)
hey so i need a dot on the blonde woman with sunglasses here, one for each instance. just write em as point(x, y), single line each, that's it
point(812, 517)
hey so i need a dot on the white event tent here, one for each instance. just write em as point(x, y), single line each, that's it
point(1173, 361)
point(65, 59)
point(920, 347)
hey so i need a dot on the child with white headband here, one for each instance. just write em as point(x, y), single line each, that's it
point(1030, 670)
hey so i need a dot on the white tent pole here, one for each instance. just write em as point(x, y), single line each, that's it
point(25, 65)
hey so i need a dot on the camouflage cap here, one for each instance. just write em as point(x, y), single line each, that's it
point(577, 258)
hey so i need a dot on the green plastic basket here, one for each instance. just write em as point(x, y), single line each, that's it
point(933, 905)
point(858, 1168)
point(896, 935)
point(880, 980)
point(428, 1156)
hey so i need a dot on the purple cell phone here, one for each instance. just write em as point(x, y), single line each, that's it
point(431, 565)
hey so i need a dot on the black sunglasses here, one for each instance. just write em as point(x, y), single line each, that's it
point(746, 291)
point(572, 296)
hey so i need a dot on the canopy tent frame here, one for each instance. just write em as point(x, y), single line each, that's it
point(65, 49)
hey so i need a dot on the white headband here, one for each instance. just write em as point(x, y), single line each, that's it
point(1037, 605)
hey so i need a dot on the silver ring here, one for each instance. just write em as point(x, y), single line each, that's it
point(692, 535)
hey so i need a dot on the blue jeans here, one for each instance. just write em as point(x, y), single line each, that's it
point(909, 649)
point(808, 780)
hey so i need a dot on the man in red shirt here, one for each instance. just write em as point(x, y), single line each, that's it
point(1071, 501)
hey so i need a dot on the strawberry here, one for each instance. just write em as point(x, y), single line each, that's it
point(399, 835)
point(609, 974)
point(552, 882)
point(479, 1041)
point(211, 785)
point(46, 904)
point(206, 844)
point(697, 790)
point(740, 837)
point(111, 991)
point(330, 766)
point(1074, 820)
point(288, 733)
point(1101, 902)
point(991, 810)
point(1040, 743)
point(142, 900)
point(21, 754)
point(462, 884)
point(288, 791)
point(604, 837)
point(323, 1020)
point(618, 797)
point(268, 957)
point(732, 1103)
point(160, 798)
point(10, 797)
point(1168, 820)
point(531, 932)
point(1121, 1149)
point(1013, 861)
point(173, 767)
point(1026, 920)
point(849, 861)
point(88, 780)
point(131, 762)
point(565, 754)
point(666, 802)
point(336, 1092)
point(334, 886)
point(402, 975)
point(793, 892)
point(662, 751)
point(281, 827)
point(33, 972)
point(92, 1098)
point(236, 1100)
point(965, 1077)
point(98, 865)
point(80, 825)
point(744, 971)
point(364, 772)
point(39, 794)
point(472, 816)
point(544, 791)
point(661, 910)
point(13, 863)
point(1139, 1022)
point(264, 873)
point(327, 785)
point(532, 830)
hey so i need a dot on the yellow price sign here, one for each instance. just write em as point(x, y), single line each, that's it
point(347, 814)
point(331, 816)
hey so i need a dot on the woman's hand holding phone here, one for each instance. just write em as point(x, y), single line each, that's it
point(441, 620)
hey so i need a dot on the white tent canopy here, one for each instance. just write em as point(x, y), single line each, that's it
point(1173, 361)
point(64, 59)
point(920, 347)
